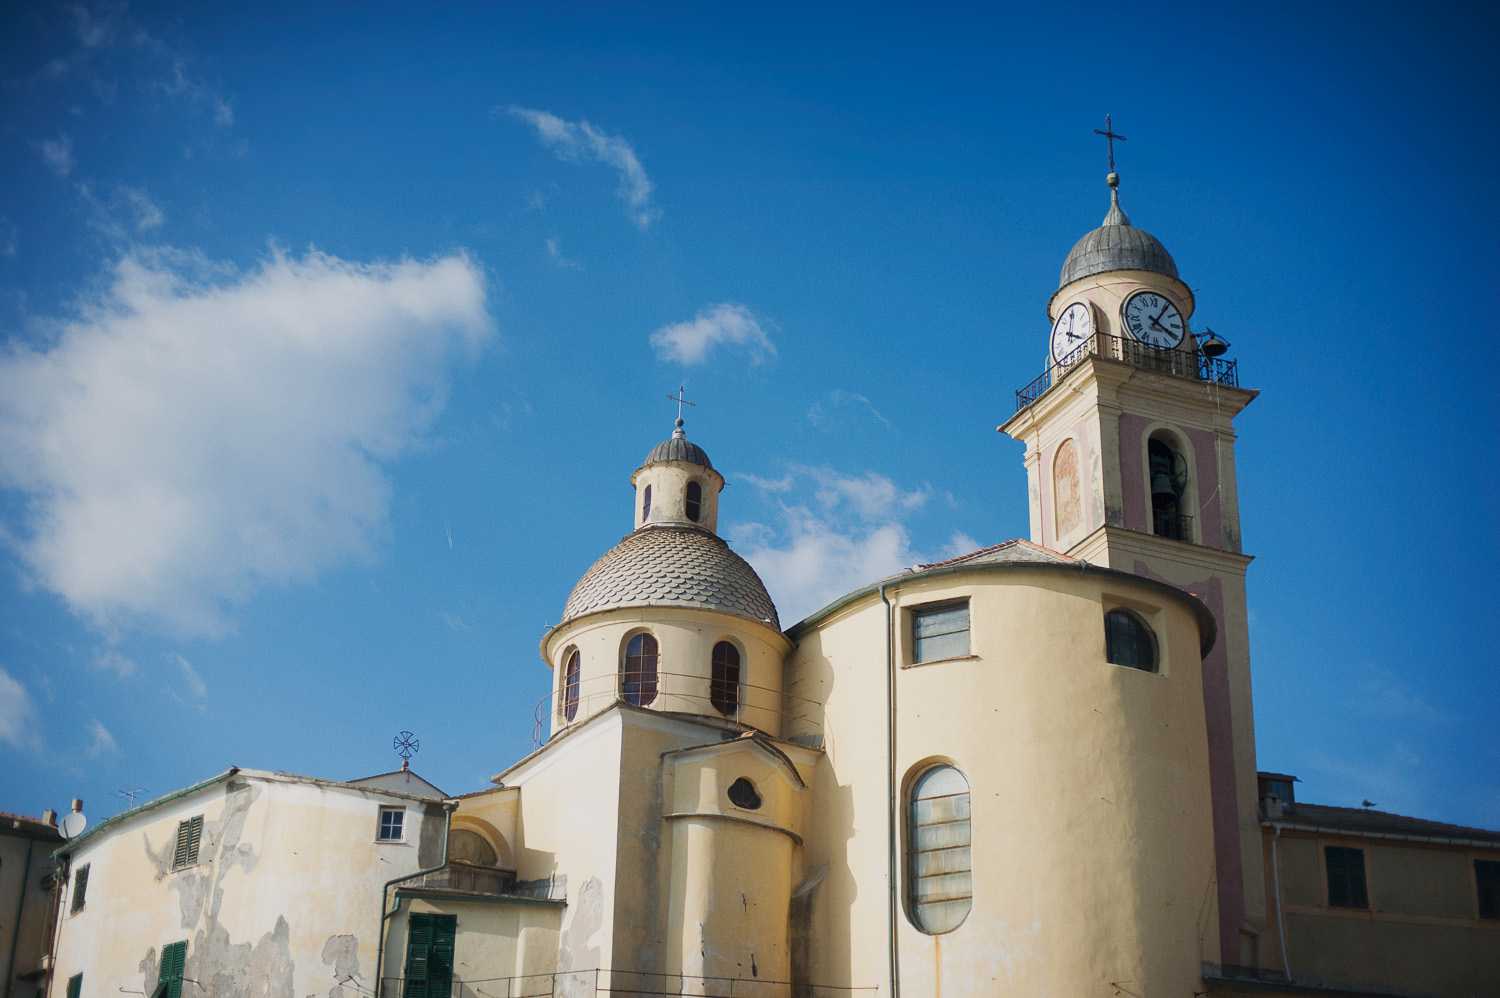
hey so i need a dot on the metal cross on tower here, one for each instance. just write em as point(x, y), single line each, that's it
point(680, 402)
point(1109, 134)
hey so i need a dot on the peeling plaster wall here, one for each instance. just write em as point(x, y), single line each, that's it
point(281, 903)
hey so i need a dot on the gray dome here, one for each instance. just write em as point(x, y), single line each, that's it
point(1116, 245)
point(672, 566)
point(678, 448)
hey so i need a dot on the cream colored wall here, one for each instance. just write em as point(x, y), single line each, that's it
point(1107, 294)
point(500, 947)
point(1093, 845)
point(685, 638)
point(669, 481)
point(286, 869)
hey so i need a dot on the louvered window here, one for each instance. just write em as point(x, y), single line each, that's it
point(724, 686)
point(694, 505)
point(1128, 641)
point(188, 834)
point(638, 682)
point(75, 986)
point(169, 981)
point(429, 956)
point(939, 878)
point(940, 632)
point(1346, 877)
point(570, 686)
point(1487, 877)
point(80, 889)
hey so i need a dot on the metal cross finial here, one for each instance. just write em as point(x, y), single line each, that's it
point(1109, 134)
point(406, 745)
point(680, 402)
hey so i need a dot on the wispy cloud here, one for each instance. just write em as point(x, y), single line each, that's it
point(16, 712)
point(554, 250)
point(691, 342)
point(57, 154)
point(579, 141)
point(833, 414)
point(851, 534)
point(191, 679)
point(9, 238)
point(101, 742)
point(196, 432)
point(110, 660)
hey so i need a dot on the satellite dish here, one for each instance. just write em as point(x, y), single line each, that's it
point(73, 825)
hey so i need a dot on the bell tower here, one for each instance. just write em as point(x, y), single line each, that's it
point(1130, 464)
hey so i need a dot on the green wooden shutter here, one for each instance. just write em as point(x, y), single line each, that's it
point(80, 888)
point(75, 986)
point(195, 835)
point(173, 959)
point(1487, 879)
point(1346, 877)
point(429, 955)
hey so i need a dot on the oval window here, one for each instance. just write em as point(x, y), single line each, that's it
point(939, 878)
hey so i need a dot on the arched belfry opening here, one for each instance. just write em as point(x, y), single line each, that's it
point(1167, 469)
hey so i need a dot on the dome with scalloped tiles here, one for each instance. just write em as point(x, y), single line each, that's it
point(672, 566)
point(1116, 245)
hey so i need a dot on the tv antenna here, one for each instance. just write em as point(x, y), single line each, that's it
point(130, 796)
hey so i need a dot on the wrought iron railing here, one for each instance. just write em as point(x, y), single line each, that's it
point(627, 984)
point(1183, 363)
point(776, 712)
point(1170, 523)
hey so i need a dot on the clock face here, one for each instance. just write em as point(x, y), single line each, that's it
point(1154, 320)
point(1071, 331)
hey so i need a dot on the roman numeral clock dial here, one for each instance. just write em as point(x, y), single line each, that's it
point(1071, 332)
point(1154, 320)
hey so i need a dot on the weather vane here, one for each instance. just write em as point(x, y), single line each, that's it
point(406, 745)
point(1109, 135)
point(680, 402)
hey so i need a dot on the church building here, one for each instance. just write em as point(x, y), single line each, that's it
point(1029, 770)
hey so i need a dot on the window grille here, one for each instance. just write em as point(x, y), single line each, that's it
point(939, 868)
point(639, 679)
point(1346, 877)
point(940, 632)
point(392, 824)
point(189, 833)
point(1128, 641)
point(724, 686)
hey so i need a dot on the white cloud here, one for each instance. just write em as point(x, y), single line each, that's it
point(197, 432)
point(58, 154)
point(576, 141)
point(832, 416)
point(690, 342)
point(102, 743)
point(8, 238)
point(554, 250)
point(110, 660)
point(15, 712)
point(852, 536)
point(191, 679)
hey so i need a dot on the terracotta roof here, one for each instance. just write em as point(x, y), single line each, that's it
point(33, 827)
point(1007, 552)
point(1363, 821)
point(672, 566)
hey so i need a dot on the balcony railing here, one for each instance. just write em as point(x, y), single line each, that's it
point(1170, 523)
point(777, 713)
point(1183, 363)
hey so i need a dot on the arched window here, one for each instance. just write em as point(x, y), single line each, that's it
point(646, 504)
point(1128, 641)
point(938, 877)
point(570, 686)
point(1168, 473)
point(694, 505)
point(638, 683)
point(724, 686)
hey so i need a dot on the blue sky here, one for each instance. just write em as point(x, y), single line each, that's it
point(332, 342)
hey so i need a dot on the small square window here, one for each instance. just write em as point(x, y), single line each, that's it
point(392, 824)
point(939, 631)
point(80, 889)
point(189, 833)
point(1346, 877)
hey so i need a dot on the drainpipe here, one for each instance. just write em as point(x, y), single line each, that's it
point(892, 808)
point(448, 808)
point(1286, 967)
point(15, 936)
